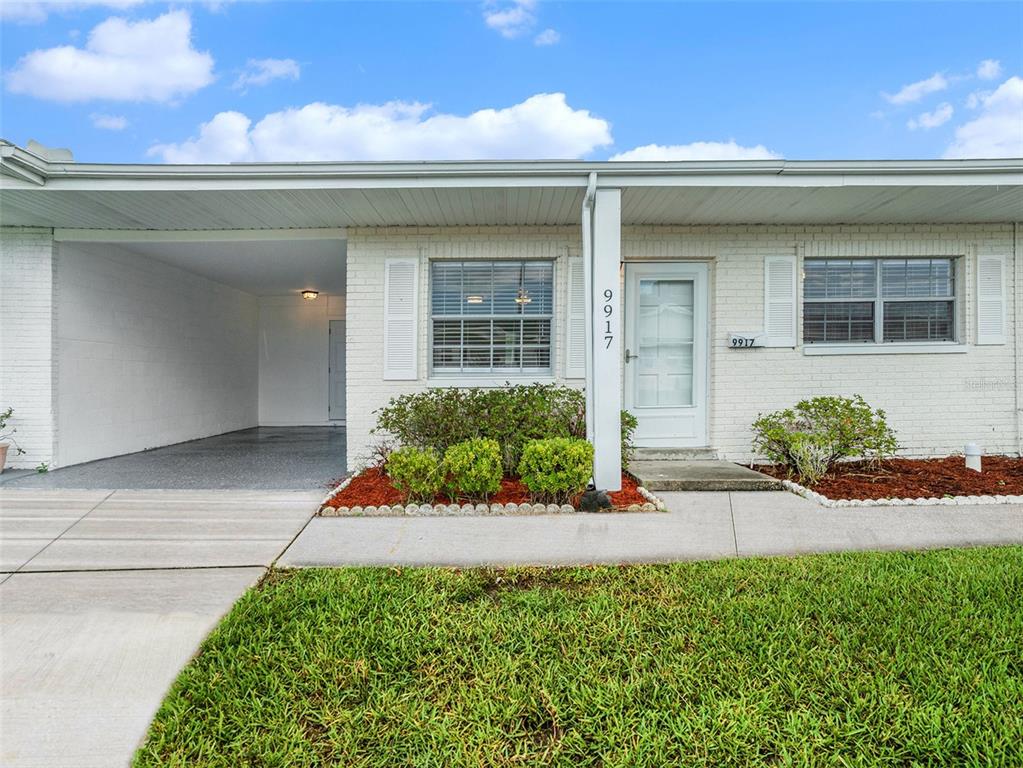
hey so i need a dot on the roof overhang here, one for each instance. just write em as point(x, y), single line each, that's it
point(38, 192)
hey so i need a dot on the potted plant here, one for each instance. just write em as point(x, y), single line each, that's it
point(7, 438)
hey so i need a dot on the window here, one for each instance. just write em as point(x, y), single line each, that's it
point(850, 301)
point(491, 316)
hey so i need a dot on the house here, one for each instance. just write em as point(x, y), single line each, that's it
point(144, 305)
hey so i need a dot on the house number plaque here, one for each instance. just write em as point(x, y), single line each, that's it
point(745, 340)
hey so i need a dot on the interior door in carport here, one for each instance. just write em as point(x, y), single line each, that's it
point(337, 370)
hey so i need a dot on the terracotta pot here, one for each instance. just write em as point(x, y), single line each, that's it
point(3, 455)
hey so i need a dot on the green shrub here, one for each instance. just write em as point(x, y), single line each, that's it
point(813, 436)
point(472, 469)
point(441, 417)
point(416, 472)
point(556, 469)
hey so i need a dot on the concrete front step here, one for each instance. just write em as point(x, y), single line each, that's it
point(675, 454)
point(700, 476)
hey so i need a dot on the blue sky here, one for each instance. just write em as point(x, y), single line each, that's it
point(130, 81)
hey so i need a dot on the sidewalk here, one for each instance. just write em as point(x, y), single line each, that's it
point(697, 526)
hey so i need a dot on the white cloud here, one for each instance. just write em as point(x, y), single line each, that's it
point(989, 69)
point(37, 11)
point(109, 122)
point(927, 120)
point(122, 61)
point(916, 91)
point(976, 99)
point(698, 150)
point(547, 37)
point(510, 19)
point(262, 71)
point(542, 126)
point(998, 130)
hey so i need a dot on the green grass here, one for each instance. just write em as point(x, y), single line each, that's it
point(846, 660)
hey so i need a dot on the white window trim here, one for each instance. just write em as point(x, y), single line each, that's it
point(891, 348)
point(486, 381)
point(956, 346)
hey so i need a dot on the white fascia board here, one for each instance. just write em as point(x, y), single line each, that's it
point(195, 235)
point(507, 174)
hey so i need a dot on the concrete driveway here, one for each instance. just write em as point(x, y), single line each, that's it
point(105, 596)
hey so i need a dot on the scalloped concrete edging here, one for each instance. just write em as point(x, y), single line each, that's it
point(653, 504)
point(947, 501)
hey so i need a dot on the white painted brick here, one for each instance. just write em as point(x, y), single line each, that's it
point(27, 369)
point(936, 402)
point(147, 354)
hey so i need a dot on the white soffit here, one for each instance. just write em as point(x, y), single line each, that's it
point(34, 192)
point(258, 267)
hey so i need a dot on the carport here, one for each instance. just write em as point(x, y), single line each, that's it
point(187, 359)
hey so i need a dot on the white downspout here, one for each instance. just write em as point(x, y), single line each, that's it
point(1017, 331)
point(587, 232)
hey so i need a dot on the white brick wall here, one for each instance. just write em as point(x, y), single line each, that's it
point(937, 402)
point(147, 354)
point(26, 341)
point(367, 249)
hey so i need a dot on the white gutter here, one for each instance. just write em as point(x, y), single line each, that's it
point(587, 237)
point(20, 163)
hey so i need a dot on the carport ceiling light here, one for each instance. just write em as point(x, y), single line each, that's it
point(310, 295)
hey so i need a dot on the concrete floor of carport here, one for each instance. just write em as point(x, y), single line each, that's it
point(272, 458)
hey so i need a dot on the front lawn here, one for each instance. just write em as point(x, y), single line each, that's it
point(846, 660)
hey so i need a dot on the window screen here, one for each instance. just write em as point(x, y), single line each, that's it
point(878, 300)
point(491, 316)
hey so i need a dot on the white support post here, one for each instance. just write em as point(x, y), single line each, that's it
point(605, 370)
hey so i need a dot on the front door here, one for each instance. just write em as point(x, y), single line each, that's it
point(666, 352)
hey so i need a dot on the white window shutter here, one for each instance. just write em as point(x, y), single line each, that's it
point(780, 301)
point(401, 283)
point(575, 321)
point(990, 299)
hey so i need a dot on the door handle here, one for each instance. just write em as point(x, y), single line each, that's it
point(629, 357)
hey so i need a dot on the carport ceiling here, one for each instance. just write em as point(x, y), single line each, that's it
point(259, 267)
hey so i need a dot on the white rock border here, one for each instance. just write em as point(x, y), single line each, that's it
point(947, 501)
point(653, 504)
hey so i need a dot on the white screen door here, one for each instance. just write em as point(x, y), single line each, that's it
point(666, 353)
point(337, 370)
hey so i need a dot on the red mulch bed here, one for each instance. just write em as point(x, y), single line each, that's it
point(917, 478)
point(372, 488)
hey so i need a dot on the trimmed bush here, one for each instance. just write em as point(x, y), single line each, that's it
point(472, 469)
point(416, 472)
point(441, 417)
point(813, 436)
point(557, 469)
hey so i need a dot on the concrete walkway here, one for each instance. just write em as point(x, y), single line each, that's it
point(105, 596)
point(698, 525)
